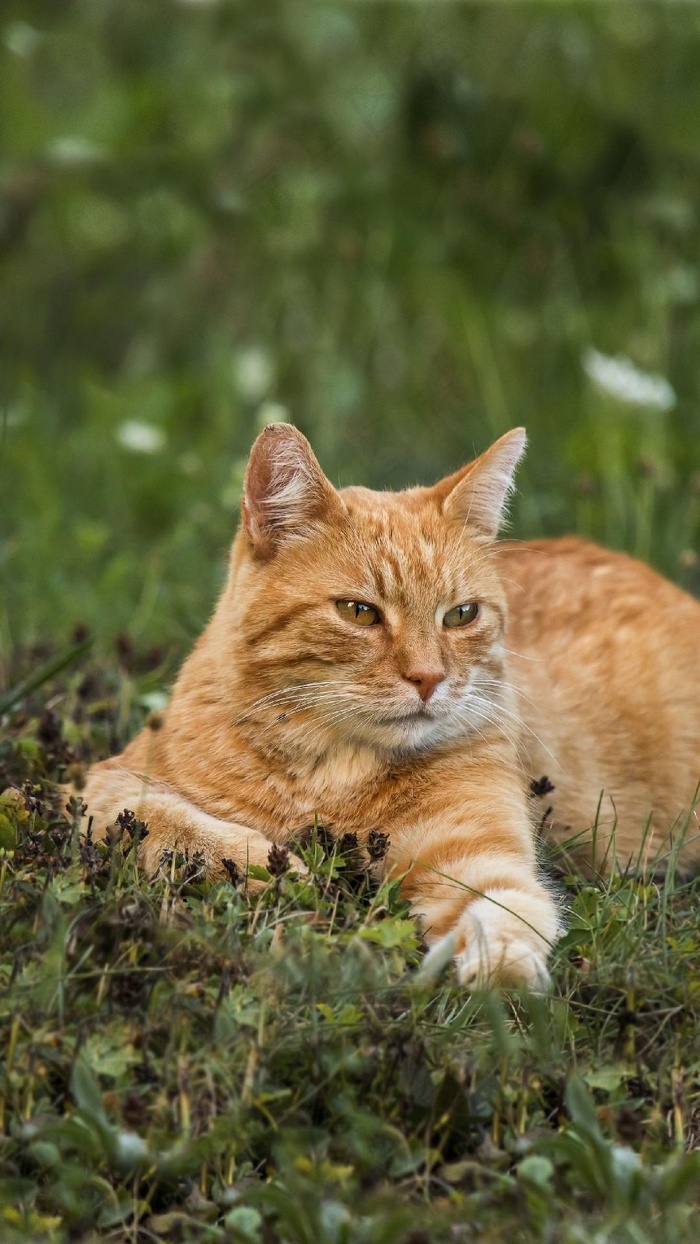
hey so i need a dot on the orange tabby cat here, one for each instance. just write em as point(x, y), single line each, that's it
point(377, 661)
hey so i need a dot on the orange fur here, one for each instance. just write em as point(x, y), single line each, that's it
point(580, 664)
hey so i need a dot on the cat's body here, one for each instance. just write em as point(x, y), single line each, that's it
point(424, 722)
point(605, 654)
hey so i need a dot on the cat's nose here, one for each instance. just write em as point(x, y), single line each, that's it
point(425, 681)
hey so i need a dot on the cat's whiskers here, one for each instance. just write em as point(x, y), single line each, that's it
point(513, 582)
point(325, 703)
point(473, 729)
point(292, 690)
point(288, 712)
point(328, 719)
point(496, 709)
point(476, 714)
point(500, 708)
point(295, 687)
point(522, 656)
point(499, 683)
point(324, 727)
point(290, 720)
point(327, 709)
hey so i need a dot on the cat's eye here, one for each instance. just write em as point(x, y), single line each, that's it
point(357, 611)
point(461, 615)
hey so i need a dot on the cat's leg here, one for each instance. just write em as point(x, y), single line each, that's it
point(472, 878)
point(174, 823)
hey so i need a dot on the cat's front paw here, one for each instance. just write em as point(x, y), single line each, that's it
point(509, 964)
point(494, 949)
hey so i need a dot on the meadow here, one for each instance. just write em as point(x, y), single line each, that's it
point(406, 229)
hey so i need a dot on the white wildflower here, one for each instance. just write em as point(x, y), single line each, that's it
point(253, 373)
point(620, 378)
point(12, 417)
point(155, 701)
point(75, 152)
point(140, 437)
point(131, 1148)
point(625, 1161)
point(20, 38)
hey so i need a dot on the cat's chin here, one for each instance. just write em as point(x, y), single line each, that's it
point(411, 732)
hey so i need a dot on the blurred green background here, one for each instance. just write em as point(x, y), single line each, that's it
point(405, 227)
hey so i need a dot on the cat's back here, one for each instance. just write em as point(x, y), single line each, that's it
point(604, 652)
point(572, 574)
point(602, 624)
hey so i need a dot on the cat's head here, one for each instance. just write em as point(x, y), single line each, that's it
point(369, 618)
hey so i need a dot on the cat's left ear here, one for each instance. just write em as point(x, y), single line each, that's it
point(477, 496)
point(285, 493)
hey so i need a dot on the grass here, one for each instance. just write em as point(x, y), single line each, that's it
point(185, 1062)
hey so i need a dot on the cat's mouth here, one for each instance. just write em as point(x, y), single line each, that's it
point(408, 719)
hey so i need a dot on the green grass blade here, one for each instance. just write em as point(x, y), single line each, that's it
point(15, 695)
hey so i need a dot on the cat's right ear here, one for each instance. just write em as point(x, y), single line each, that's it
point(477, 496)
point(285, 491)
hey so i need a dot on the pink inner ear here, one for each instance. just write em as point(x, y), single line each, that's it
point(258, 480)
point(285, 488)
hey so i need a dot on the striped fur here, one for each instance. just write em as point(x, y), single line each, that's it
point(285, 711)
